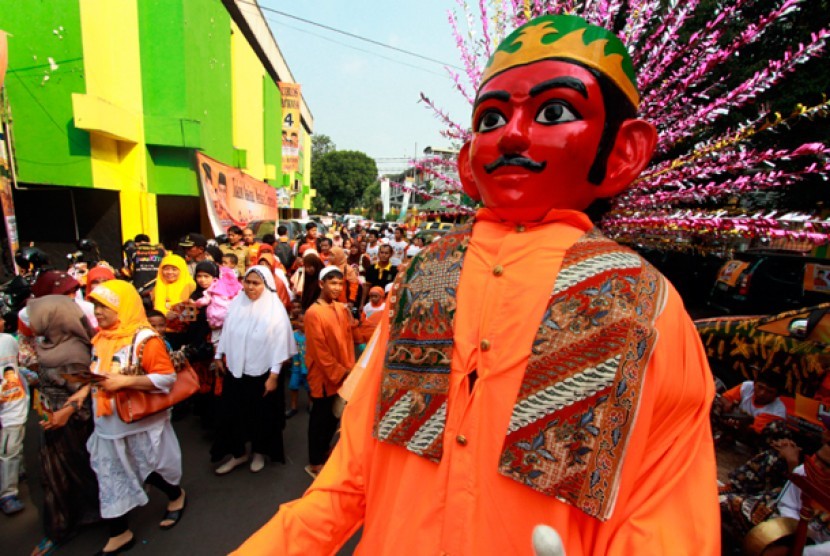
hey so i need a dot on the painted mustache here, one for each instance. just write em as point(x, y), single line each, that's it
point(514, 160)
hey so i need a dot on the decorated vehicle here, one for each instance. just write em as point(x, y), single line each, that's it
point(443, 226)
point(430, 235)
point(768, 281)
point(738, 346)
point(296, 227)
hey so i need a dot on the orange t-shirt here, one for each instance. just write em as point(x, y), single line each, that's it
point(761, 420)
point(667, 498)
point(329, 344)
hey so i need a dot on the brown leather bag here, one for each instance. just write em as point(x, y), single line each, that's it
point(133, 405)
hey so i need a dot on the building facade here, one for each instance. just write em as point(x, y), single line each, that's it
point(111, 99)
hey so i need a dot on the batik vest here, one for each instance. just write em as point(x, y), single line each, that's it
point(579, 397)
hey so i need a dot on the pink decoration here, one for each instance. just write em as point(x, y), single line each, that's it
point(675, 67)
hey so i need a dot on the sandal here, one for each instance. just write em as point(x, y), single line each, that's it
point(173, 516)
point(311, 472)
point(123, 548)
point(45, 547)
point(11, 505)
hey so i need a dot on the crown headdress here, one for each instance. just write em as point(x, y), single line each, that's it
point(566, 37)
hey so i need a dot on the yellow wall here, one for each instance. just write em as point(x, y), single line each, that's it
point(248, 119)
point(112, 109)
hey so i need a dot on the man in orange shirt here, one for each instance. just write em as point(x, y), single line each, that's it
point(498, 396)
point(329, 358)
point(757, 400)
point(252, 245)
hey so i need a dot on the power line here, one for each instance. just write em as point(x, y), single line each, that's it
point(283, 24)
point(352, 35)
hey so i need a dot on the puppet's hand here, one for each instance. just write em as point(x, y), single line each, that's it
point(546, 542)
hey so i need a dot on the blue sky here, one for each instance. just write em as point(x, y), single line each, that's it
point(367, 99)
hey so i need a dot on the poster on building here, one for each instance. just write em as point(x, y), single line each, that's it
point(386, 195)
point(6, 198)
point(407, 193)
point(233, 197)
point(817, 278)
point(4, 56)
point(283, 198)
point(290, 127)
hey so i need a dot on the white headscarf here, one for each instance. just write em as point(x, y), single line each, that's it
point(257, 335)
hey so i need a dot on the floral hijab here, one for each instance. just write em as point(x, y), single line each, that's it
point(122, 298)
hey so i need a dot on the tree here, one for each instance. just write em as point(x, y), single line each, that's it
point(320, 145)
point(371, 201)
point(340, 178)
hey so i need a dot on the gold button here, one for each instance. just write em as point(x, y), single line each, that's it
point(520, 228)
point(485, 345)
point(461, 439)
point(498, 270)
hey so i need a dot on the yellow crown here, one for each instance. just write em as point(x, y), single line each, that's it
point(566, 37)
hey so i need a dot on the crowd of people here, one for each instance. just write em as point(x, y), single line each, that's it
point(100, 351)
point(526, 372)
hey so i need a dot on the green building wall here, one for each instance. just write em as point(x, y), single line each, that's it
point(272, 130)
point(49, 149)
point(186, 85)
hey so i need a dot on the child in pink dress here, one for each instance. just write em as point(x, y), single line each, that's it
point(217, 298)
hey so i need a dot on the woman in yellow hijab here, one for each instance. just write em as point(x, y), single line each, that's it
point(173, 283)
point(123, 455)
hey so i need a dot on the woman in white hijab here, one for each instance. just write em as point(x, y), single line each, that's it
point(256, 344)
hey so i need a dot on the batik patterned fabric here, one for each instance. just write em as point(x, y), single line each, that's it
point(580, 393)
point(741, 512)
point(766, 471)
point(416, 381)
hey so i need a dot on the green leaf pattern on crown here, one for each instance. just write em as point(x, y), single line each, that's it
point(568, 37)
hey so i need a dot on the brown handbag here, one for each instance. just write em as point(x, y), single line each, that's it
point(133, 405)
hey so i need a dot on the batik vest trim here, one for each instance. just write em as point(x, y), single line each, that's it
point(580, 393)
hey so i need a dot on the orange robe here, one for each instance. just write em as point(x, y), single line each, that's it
point(667, 499)
point(329, 344)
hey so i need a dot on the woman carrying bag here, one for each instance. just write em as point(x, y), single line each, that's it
point(125, 453)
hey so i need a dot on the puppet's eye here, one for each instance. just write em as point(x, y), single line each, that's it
point(557, 112)
point(490, 119)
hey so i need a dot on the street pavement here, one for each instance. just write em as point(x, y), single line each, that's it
point(221, 511)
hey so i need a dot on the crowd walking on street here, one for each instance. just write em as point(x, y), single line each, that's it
point(101, 353)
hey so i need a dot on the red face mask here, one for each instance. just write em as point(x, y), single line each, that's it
point(536, 130)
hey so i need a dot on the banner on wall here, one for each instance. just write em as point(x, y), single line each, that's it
point(817, 278)
point(9, 218)
point(4, 56)
point(290, 126)
point(385, 195)
point(407, 193)
point(283, 198)
point(232, 197)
